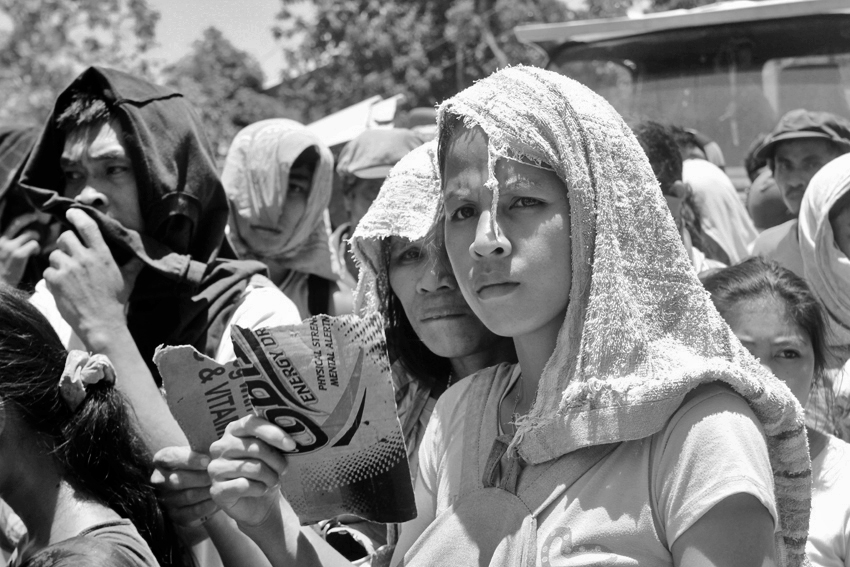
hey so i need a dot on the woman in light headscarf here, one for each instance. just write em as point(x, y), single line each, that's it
point(649, 435)
point(278, 177)
point(825, 248)
point(433, 338)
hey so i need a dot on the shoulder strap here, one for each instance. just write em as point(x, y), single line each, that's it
point(478, 429)
point(541, 485)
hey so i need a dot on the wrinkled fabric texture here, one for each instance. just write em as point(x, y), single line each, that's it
point(256, 179)
point(723, 217)
point(185, 294)
point(407, 206)
point(15, 146)
point(640, 331)
point(827, 268)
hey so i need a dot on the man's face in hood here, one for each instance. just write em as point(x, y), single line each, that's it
point(99, 172)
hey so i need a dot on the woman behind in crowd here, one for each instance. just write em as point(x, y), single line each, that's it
point(825, 247)
point(627, 450)
point(278, 177)
point(72, 465)
point(434, 339)
point(433, 336)
point(776, 317)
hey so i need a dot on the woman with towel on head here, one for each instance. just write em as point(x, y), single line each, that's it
point(434, 339)
point(825, 247)
point(278, 177)
point(778, 319)
point(635, 428)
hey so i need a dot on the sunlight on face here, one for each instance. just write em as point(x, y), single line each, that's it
point(517, 278)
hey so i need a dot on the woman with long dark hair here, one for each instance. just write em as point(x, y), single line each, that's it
point(72, 464)
point(778, 319)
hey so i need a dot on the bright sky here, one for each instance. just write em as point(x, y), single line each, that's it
point(246, 23)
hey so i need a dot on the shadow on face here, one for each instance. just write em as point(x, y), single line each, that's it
point(422, 280)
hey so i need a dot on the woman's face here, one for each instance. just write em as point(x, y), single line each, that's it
point(297, 194)
point(421, 278)
point(841, 230)
point(783, 347)
point(517, 280)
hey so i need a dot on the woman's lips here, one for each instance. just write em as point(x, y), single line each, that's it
point(445, 314)
point(494, 290)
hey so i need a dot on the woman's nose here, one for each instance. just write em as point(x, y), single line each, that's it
point(93, 198)
point(436, 274)
point(489, 239)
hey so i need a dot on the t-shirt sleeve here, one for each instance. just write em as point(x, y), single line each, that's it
point(261, 306)
point(713, 447)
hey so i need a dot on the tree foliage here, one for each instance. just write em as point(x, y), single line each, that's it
point(225, 84)
point(343, 51)
point(347, 50)
point(51, 41)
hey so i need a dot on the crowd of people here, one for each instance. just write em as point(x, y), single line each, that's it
point(601, 353)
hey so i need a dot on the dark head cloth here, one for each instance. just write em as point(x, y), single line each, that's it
point(184, 291)
point(15, 146)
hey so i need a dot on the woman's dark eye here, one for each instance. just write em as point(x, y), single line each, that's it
point(463, 213)
point(524, 202)
point(117, 169)
point(407, 255)
point(789, 354)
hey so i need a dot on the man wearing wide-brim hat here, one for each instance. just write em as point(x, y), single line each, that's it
point(800, 145)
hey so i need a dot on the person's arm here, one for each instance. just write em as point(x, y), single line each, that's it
point(91, 292)
point(713, 483)
point(245, 472)
point(736, 532)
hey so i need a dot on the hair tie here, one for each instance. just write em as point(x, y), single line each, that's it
point(83, 369)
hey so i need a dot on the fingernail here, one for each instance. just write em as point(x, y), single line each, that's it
point(205, 461)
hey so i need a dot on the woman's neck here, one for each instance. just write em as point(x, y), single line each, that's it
point(50, 508)
point(533, 352)
point(500, 351)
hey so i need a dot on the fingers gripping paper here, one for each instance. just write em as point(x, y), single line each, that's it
point(327, 383)
point(203, 395)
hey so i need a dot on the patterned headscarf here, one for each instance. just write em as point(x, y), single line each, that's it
point(826, 267)
point(640, 331)
point(256, 179)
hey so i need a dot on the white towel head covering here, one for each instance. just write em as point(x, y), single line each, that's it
point(256, 179)
point(827, 268)
point(407, 206)
point(640, 331)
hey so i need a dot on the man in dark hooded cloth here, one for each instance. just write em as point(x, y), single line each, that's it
point(126, 165)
